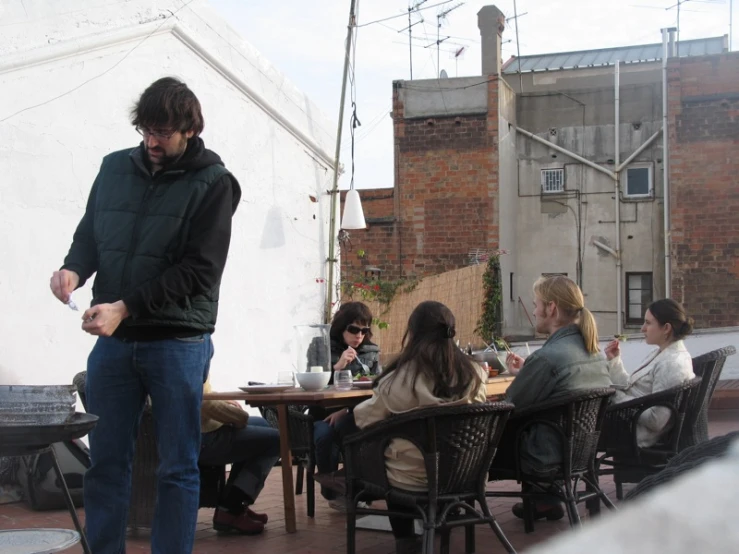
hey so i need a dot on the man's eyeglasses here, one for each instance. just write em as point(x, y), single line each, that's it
point(144, 132)
point(354, 330)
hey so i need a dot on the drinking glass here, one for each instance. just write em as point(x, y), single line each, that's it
point(286, 378)
point(343, 380)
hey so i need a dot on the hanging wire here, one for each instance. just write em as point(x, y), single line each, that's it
point(353, 120)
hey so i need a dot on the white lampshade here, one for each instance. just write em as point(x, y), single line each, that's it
point(353, 214)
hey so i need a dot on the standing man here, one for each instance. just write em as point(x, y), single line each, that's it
point(156, 230)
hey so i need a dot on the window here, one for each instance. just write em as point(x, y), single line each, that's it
point(638, 181)
point(552, 180)
point(553, 274)
point(638, 296)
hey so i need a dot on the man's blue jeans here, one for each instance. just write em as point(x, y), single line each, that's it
point(120, 374)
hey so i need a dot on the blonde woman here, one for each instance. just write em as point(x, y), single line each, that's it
point(569, 360)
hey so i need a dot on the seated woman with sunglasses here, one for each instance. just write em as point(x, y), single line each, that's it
point(352, 349)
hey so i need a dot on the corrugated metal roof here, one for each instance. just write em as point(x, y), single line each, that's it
point(609, 56)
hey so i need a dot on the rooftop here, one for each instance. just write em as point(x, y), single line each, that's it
point(609, 56)
point(326, 533)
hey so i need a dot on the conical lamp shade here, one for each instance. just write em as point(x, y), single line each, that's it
point(353, 214)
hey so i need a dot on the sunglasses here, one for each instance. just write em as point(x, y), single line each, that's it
point(354, 330)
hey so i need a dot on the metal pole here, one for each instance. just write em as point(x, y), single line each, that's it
point(518, 49)
point(617, 160)
point(410, 40)
point(666, 169)
point(332, 238)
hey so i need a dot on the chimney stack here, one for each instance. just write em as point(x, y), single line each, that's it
point(671, 44)
point(491, 22)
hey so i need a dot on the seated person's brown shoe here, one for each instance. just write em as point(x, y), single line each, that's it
point(551, 512)
point(224, 521)
point(261, 518)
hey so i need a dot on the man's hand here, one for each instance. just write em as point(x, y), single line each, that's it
point(63, 283)
point(514, 362)
point(334, 418)
point(613, 349)
point(103, 319)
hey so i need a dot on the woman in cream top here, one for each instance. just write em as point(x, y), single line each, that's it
point(669, 365)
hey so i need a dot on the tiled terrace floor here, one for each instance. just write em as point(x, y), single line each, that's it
point(326, 532)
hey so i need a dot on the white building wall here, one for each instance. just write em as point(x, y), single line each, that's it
point(68, 76)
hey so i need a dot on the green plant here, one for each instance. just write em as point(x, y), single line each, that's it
point(489, 324)
point(371, 289)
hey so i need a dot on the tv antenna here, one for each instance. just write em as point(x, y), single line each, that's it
point(457, 53)
point(439, 17)
point(414, 7)
point(679, 3)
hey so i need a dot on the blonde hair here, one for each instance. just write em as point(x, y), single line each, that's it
point(570, 302)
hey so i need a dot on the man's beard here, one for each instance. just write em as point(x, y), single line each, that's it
point(165, 159)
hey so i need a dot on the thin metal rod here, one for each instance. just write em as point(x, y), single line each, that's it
point(638, 151)
point(666, 170)
point(410, 40)
point(332, 238)
point(572, 155)
point(70, 503)
point(518, 49)
point(617, 182)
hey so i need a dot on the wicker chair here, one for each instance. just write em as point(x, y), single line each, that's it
point(302, 447)
point(687, 460)
point(576, 419)
point(621, 454)
point(708, 367)
point(145, 463)
point(458, 444)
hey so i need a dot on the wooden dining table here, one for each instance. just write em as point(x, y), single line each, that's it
point(328, 398)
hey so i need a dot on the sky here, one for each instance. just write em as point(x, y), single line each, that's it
point(305, 40)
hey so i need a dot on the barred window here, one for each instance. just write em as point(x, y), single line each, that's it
point(552, 180)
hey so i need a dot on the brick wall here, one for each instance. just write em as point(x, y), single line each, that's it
point(445, 200)
point(703, 108)
point(446, 185)
point(377, 245)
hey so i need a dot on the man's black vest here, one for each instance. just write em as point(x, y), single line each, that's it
point(141, 224)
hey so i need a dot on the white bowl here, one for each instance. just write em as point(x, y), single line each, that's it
point(313, 381)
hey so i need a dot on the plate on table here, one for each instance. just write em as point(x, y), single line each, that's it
point(264, 389)
point(363, 384)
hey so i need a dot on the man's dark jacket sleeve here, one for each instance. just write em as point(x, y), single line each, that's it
point(83, 255)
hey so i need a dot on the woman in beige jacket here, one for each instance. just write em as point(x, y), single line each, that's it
point(430, 371)
point(670, 364)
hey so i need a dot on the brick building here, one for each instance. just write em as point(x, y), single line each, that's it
point(527, 158)
point(703, 124)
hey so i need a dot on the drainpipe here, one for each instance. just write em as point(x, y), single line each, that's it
point(665, 169)
point(617, 180)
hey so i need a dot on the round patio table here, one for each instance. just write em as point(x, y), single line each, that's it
point(37, 541)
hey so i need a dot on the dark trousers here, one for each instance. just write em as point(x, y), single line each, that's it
point(505, 459)
point(253, 451)
point(402, 527)
point(328, 439)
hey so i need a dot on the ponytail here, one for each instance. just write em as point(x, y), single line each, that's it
point(589, 331)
